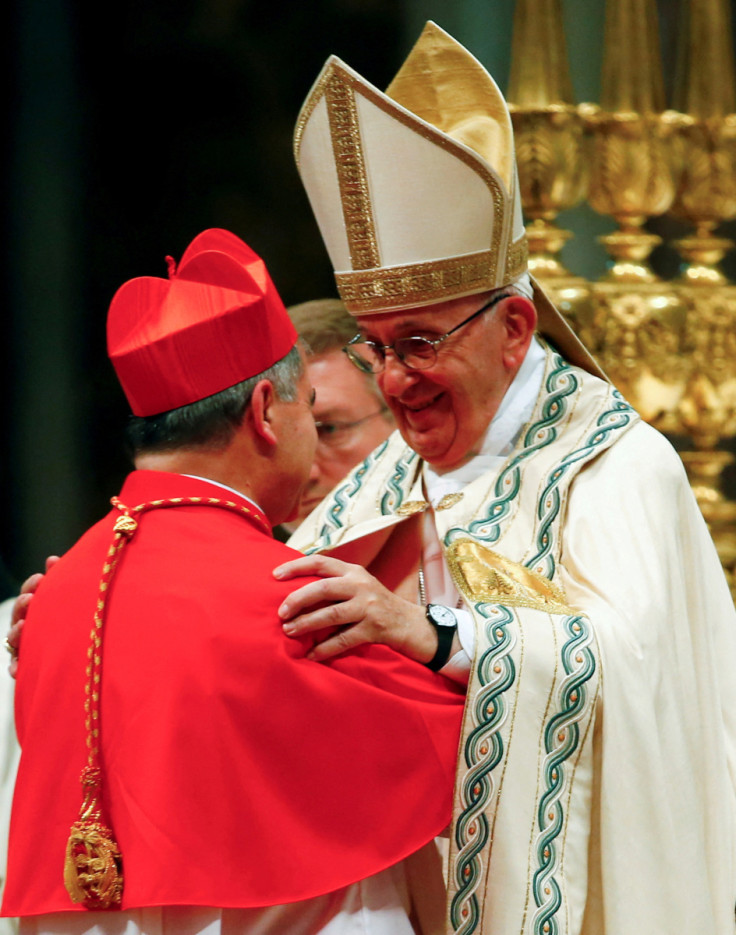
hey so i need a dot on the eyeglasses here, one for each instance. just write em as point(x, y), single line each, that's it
point(331, 434)
point(416, 353)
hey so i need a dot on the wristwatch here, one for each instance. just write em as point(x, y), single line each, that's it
point(445, 623)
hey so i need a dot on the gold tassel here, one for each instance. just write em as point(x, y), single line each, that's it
point(93, 868)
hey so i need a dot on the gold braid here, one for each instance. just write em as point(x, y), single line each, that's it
point(93, 867)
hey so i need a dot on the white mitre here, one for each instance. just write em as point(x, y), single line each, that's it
point(415, 191)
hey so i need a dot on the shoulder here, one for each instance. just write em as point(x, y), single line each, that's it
point(386, 474)
point(644, 449)
point(641, 464)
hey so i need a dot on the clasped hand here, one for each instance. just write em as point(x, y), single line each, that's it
point(348, 607)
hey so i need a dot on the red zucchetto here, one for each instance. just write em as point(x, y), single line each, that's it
point(217, 320)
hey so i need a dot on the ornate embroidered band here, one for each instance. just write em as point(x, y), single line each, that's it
point(484, 575)
point(351, 175)
point(93, 866)
point(371, 290)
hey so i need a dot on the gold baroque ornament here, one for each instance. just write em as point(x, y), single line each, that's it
point(643, 345)
point(411, 507)
point(484, 575)
point(708, 410)
point(93, 871)
point(552, 156)
point(449, 499)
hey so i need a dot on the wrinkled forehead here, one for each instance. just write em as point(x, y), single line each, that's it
point(421, 319)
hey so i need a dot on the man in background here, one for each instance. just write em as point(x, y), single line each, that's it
point(351, 415)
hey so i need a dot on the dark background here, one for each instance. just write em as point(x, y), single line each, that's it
point(128, 137)
point(132, 127)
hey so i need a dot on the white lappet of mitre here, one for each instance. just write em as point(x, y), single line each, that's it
point(415, 191)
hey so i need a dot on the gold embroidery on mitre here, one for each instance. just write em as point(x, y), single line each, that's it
point(517, 258)
point(484, 575)
point(411, 507)
point(375, 290)
point(342, 115)
point(503, 206)
point(449, 499)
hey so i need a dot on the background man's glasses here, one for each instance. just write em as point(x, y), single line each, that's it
point(416, 353)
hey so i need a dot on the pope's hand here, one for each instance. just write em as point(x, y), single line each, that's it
point(19, 612)
point(351, 607)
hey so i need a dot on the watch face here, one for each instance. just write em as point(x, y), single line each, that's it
point(442, 616)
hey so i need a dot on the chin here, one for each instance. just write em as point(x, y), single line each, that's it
point(427, 448)
point(293, 518)
point(444, 458)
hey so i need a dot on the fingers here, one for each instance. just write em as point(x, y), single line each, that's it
point(341, 614)
point(324, 591)
point(32, 583)
point(12, 645)
point(19, 611)
point(320, 565)
point(336, 644)
point(20, 607)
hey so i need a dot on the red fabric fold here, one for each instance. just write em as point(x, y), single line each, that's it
point(237, 773)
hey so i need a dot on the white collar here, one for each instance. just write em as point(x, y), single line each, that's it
point(514, 412)
point(208, 480)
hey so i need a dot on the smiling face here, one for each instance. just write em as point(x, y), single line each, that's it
point(443, 412)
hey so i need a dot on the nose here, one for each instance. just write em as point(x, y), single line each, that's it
point(395, 378)
point(314, 470)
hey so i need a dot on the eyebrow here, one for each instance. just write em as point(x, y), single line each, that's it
point(334, 414)
point(412, 327)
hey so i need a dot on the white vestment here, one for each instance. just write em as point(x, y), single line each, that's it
point(596, 789)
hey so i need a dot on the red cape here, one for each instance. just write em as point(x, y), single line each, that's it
point(237, 773)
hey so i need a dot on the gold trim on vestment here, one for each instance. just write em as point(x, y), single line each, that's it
point(449, 500)
point(484, 575)
point(347, 152)
point(411, 507)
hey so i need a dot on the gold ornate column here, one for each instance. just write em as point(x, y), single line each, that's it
point(639, 320)
point(551, 149)
point(669, 346)
point(706, 94)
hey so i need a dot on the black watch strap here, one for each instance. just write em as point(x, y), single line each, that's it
point(445, 636)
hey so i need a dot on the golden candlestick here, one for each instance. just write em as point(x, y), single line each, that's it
point(706, 196)
point(551, 149)
point(632, 172)
point(705, 92)
point(670, 347)
point(639, 320)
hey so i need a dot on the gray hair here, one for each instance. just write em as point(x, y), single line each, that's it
point(210, 423)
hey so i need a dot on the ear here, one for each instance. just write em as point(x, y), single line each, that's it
point(520, 321)
point(261, 411)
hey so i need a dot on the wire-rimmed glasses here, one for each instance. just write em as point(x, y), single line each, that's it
point(414, 352)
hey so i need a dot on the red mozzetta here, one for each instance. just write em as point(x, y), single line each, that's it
point(236, 772)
